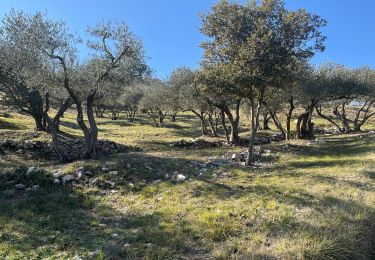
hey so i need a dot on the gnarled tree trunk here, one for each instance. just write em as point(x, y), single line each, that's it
point(289, 117)
point(222, 116)
point(234, 138)
point(36, 109)
point(255, 112)
point(53, 127)
point(200, 115)
point(320, 113)
point(266, 120)
point(305, 126)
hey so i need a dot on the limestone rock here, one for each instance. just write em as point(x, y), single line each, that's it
point(67, 179)
point(20, 186)
point(31, 170)
point(180, 177)
point(58, 174)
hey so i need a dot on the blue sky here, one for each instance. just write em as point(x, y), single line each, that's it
point(170, 28)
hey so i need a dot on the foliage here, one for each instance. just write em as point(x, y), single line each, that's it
point(257, 47)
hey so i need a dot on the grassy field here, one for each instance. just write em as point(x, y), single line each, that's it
point(307, 201)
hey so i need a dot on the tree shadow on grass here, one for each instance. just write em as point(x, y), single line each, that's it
point(334, 181)
point(144, 169)
point(369, 174)
point(119, 122)
point(17, 160)
point(347, 230)
point(66, 222)
point(71, 125)
point(320, 164)
point(343, 147)
point(11, 126)
point(123, 122)
point(67, 136)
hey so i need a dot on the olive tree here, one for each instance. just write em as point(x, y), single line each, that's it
point(258, 45)
point(188, 96)
point(28, 41)
point(117, 55)
point(153, 102)
point(130, 99)
point(334, 87)
point(220, 93)
point(27, 82)
point(16, 95)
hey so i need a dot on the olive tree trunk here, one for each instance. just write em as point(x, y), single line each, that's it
point(255, 112)
point(305, 126)
point(53, 127)
point(289, 117)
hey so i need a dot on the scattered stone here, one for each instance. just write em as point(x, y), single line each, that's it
point(31, 170)
point(131, 185)
point(234, 156)
point(128, 165)
point(56, 181)
point(126, 245)
point(20, 186)
point(113, 173)
point(105, 169)
point(159, 198)
point(319, 141)
point(35, 187)
point(316, 141)
point(67, 179)
point(196, 144)
point(156, 182)
point(88, 173)
point(371, 132)
point(180, 177)
point(149, 245)
point(214, 175)
point(148, 168)
point(95, 253)
point(79, 169)
point(111, 183)
point(110, 164)
point(58, 174)
point(79, 175)
point(266, 153)
point(72, 148)
point(115, 235)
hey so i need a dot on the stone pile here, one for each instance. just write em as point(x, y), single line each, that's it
point(235, 159)
point(196, 144)
point(325, 131)
point(28, 144)
point(73, 149)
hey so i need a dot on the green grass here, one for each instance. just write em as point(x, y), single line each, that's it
point(309, 202)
